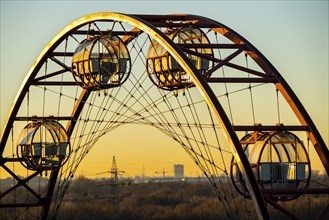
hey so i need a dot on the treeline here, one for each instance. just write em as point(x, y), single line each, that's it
point(91, 199)
point(97, 199)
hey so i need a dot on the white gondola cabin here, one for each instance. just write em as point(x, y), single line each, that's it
point(165, 72)
point(43, 145)
point(101, 62)
point(278, 160)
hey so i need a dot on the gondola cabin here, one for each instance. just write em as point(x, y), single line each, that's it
point(278, 160)
point(43, 145)
point(101, 62)
point(165, 72)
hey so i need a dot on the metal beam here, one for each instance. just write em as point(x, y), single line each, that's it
point(55, 83)
point(226, 62)
point(62, 54)
point(222, 62)
point(219, 46)
point(239, 80)
point(194, 24)
point(21, 182)
point(49, 75)
point(108, 32)
point(244, 69)
point(19, 205)
point(270, 128)
point(165, 17)
point(41, 118)
point(50, 191)
point(208, 57)
point(13, 159)
point(282, 86)
point(60, 63)
point(282, 209)
point(305, 120)
point(216, 108)
point(69, 129)
point(296, 191)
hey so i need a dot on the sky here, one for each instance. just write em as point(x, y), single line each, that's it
point(293, 35)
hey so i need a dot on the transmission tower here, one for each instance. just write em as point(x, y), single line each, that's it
point(115, 183)
point(163, 172)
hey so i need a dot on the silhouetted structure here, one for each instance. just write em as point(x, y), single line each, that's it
point(179, 171)
point(163, 173)
point(115, 183)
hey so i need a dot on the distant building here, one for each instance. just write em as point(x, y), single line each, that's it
point(179, 171)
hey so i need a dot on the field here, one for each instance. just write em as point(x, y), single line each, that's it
point(98, 199)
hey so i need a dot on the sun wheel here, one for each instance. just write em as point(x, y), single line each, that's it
point(192, 78)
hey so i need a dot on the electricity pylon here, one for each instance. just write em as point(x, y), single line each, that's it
point(115, 183)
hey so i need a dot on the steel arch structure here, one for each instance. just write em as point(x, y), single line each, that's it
point(155, 28)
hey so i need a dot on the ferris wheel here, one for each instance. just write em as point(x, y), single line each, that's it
point(192, 78)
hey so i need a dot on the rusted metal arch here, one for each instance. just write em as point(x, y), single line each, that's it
point(269, 70)
point(261, 60)
point(284, 89)
point(272, 76)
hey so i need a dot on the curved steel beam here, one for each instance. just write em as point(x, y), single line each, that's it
point(212, 101)
point(214, 105)
point(281, 85)
point(28, 80)
point(178, 54)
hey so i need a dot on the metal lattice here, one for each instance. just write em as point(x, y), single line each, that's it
point(192, 78)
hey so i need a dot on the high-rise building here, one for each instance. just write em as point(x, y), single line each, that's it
point(179, 171)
